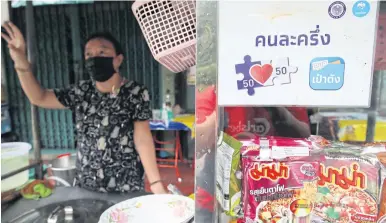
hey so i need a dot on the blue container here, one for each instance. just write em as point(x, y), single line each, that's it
point(5, 119)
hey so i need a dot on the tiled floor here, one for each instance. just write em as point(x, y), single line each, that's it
point(186, 186)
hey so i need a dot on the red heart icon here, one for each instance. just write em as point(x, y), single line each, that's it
point(261, 73)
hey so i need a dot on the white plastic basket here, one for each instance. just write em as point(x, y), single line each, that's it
point(169, 27)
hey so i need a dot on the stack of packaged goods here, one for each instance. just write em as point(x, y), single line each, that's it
point(285, 180)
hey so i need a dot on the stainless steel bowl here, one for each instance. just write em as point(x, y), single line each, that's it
point(64, 170)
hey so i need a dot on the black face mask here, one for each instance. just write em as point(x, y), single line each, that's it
point(100, 68)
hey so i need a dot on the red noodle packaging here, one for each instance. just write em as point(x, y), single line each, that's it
point(382, 207)
point(348, 187)
point(279, 180)
point(294, 180)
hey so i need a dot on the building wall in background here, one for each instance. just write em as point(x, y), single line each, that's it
point(61, 32)
point(168, 81)
point(4, 17)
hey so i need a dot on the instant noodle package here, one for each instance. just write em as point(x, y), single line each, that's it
point(229, 171)
point(278, 191)
point(348, 187)
point(287, 180)
point(382, 207)
point(279, 180)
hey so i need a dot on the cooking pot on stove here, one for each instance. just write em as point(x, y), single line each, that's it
point(63, 170)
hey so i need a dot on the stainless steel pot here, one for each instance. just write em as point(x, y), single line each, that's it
point(63, 170)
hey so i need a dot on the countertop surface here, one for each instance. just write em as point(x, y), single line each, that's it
point(61, 194)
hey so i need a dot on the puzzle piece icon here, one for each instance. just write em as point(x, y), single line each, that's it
point(281, 73)
point(247, 82)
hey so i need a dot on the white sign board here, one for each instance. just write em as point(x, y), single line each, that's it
point(301, 53)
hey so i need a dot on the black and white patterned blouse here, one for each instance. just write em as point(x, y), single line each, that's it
point(107, 158)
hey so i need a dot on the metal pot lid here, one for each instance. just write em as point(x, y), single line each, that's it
point(75, 211)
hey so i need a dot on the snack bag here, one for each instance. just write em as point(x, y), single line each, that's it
point(348, 187)
point(278, 191)
point(228, 176)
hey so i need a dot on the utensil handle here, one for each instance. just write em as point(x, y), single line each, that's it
point(68, 214)
point(53, 217)
point(173, 189)
point(60, 180)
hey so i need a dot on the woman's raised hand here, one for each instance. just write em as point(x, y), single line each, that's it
point(16, 45)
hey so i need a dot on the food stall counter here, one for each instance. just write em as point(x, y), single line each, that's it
point(66, 194)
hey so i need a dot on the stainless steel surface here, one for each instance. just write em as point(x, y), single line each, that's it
point(64, 168)
point(68, 213)
point(10, 174)
point(64, 163)
point(74, 211)
point(206, 132)
point(64, 196)
point(32, 54)
point(374, 106)
point(53, 217)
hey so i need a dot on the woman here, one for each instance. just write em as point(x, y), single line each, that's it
point(114, 142)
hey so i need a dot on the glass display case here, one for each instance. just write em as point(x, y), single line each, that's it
point(356, 125)
point(230, 127)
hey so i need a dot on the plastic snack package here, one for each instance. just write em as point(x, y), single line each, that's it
point(319, 141)
point(379, 149)
point(228, 177)
point(376, 147)
point(278, 191)
point(348, 187)
point(382, 206)
point(277, 147)
point(381, 144)
point(283, 141)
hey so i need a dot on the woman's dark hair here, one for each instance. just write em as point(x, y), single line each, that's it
point(109, 37)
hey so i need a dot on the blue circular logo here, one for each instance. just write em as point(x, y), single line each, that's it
point(361, 8)
point(337, 10)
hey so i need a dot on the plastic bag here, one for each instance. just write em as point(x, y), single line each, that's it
point(228, 176)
